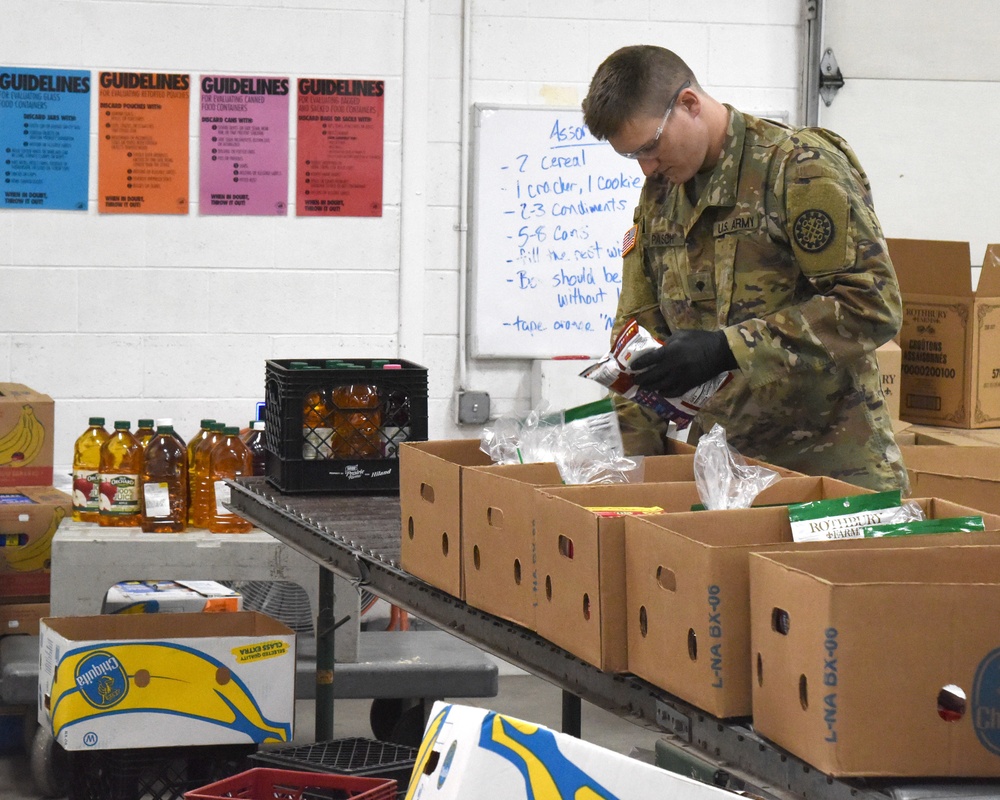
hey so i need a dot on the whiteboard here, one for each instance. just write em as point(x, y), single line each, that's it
point(550, 205)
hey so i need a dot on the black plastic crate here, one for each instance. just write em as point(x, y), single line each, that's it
point(355, 756)
point(152, 773)
point(335, 425)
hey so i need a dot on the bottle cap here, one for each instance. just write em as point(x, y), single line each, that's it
point(217, 426)
point(392, 366)
point(230, 430)
point(164, 428)
point(96, 421)
point(259, 425)
point(145, 423)
point(122, 424)
point(165, 421)
point(206, 423)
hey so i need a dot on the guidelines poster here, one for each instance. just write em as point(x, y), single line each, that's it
point(243, 165)
point(44, 138)
point(340, 153)
point(142, 143)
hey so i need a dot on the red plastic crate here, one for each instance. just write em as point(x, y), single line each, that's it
point(278, 784)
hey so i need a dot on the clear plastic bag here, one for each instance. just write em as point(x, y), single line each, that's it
point(584, 442)
point(723, 477)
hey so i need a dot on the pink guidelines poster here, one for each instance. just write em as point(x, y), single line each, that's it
point(244, 145)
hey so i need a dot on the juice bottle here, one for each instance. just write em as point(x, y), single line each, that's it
point(121, 463)
point(229, 458)
point(357, 421)
point(254, 441)
point(203, 431)
point(144, 432)
point(164, 483)
point(317, 426)
point(87, 470)
point(200, 498)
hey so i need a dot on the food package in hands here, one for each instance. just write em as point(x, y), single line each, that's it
point(612, 370)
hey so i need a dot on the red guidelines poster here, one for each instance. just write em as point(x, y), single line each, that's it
point(340, 152)
point(244, 146)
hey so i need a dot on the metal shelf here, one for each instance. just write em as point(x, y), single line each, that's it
point(358, 536)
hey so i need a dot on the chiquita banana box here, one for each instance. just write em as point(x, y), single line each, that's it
point(29, 518)
point(156, 680)
point(473, 752)
point(26, 421)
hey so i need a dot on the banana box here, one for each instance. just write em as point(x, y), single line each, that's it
point(474, 752)
point(158, 680)
point(26, 428)
point(153, 597)
point(29, 517)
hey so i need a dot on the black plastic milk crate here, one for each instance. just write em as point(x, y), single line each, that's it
point(355, 756)
point(335, 425)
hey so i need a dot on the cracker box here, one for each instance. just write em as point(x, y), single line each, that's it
point(29, 518)
point(26, 428)
point(152, 597)
point(880, 662)
point(950, 336)
point(156, 680)
point(473, 752)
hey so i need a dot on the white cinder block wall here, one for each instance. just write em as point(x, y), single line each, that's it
point(130, 316)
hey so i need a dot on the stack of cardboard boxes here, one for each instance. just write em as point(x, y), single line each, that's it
point(670, 596)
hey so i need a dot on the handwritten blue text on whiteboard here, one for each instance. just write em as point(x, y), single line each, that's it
point(550, 205)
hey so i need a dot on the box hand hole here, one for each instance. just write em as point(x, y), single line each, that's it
point(666, 579)
point(951, 703)
point(804, 692)
point(692, 644)
point(780, 622)
point(565, 546)
point(494, 516)
point(427, 492)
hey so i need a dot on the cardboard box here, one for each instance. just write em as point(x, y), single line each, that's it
point(123, 681)
point(949, 338)
point(931, 435)
point(968, 475)
point(21, 617)
point(498, 543)
point(580, 561)
point(27, 422)
point(890, 365)
point(688, 595)
point(856, 652)
point(152, 597)
point(29, 517)
point(430, 501)
point(473, 752)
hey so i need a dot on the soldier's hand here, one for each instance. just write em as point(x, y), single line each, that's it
point(688, 359)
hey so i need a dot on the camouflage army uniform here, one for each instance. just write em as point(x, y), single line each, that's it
point(784, 251)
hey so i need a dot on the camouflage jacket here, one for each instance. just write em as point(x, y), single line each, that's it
point(784, 252)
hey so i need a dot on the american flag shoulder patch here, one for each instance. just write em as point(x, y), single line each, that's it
point(628, 242)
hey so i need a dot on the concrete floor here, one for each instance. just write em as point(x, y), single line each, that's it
point(521, 695)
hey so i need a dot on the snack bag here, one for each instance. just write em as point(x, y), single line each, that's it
point(612, 371)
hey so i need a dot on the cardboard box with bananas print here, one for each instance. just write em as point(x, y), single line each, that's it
point(159, 680)
point(29, 518)
point(26, 420)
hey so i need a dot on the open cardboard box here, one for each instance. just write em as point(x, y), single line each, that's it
point(969, 475)
point(951, 350)
point(29, 518)
point(862, 658)
point(688, 593)
point(27, 421)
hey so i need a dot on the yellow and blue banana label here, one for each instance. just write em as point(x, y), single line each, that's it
point(162, 678)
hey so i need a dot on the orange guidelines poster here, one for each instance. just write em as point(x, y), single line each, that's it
point(142, 142)
point(340, 149)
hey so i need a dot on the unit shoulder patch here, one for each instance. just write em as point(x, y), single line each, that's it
point(813, 230)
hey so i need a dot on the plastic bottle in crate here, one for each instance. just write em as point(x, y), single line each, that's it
point(357, 421)
point(164, 483)
point(200, 501)
point(229, 458)
point(317, 426)
point(395, 418)
point(87, 470)
point(254, 440)
point(121, 463)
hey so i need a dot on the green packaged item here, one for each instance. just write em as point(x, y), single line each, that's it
point(844, 517)
point(947, 525)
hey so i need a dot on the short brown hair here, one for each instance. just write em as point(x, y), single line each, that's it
point(634, 80)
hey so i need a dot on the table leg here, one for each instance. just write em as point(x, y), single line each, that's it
point(325, 626)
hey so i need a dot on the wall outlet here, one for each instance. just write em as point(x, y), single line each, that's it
point(473, 408)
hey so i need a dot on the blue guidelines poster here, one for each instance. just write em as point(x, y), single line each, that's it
point(44, 138)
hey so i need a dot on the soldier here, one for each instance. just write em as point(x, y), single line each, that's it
point(755, 249)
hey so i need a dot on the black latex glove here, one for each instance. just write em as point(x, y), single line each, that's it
point(688, 359)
